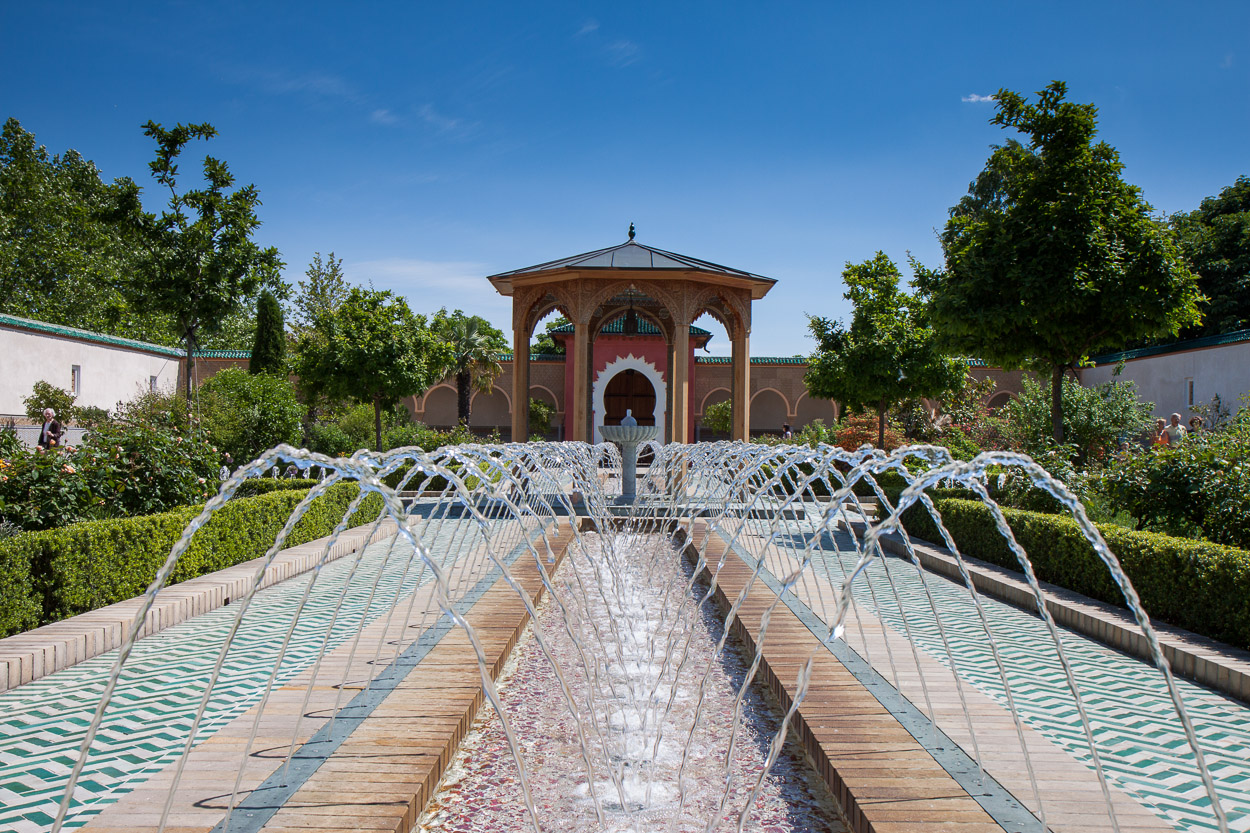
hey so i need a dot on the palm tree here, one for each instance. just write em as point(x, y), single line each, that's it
point(474, 348)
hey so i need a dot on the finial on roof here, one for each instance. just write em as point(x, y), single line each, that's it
point(631, 231)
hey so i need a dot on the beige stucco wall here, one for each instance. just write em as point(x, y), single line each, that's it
point(109, 374)
point(1164, 380)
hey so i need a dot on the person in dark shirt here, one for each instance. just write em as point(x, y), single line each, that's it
point(50, 434)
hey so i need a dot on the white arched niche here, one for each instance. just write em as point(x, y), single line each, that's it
point(619, 365)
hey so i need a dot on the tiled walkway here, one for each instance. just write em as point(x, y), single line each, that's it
point(1135, 726)
point(42, 724)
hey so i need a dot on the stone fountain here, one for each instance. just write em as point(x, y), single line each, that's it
point(628, 434)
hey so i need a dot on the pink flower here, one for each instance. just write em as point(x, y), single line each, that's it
point(67, 468)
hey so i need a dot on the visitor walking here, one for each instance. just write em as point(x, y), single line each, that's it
point(1160, 435)
point(50, 434)
point(1174, 432)
point(786, 433)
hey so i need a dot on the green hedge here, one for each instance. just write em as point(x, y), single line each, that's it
point(51, 575)
point(1196, 585)
point(264, 485)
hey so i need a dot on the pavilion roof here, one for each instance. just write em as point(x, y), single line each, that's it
point(634, 256)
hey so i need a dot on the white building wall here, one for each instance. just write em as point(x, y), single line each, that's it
point(108, 374)
point(1164, 379)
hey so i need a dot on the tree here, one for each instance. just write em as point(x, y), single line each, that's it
point(48, 395)
point(269, 349)
point(246, 414)
point(1215, 239)
point(371, 349)
point(889, 353)
point(199, 261)
point(540, 417)
point(62, 250)
point(544, 343)
point(1052, 257)
point(324, 290)
point(475, 345)
point(719, 418)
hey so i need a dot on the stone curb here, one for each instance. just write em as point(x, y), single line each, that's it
point(28, 656)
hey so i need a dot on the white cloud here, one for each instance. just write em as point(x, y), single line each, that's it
point(383, 116)
point(436, 119)
point(976, 99)
point(622, 53)
point(588, 27)
point(1227, 61)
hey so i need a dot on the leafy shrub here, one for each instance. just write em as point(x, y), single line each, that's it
point(861, 429)
point(1201, 487)
point(1096, 420)
point(246, 414)
point(158, 409)
point(48, 395)
point(89, 416)
point(540, 416)
point(328, 438)
point(264, 485)
point(119, 470)
point(50, 575)
point(1196, 585)
point(719, 418)
point(10, 445)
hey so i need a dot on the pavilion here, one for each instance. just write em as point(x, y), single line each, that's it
point(641, 301)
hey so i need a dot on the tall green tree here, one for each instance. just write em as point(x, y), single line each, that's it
point(370, 349)
point(475, 346)
point(269, 348)
point(199, 261)
point(1215, 239)
point(888, 354)
point(324, 290)
point(1052, 257)
point(63, 252)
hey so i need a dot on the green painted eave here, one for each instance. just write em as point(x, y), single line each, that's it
point(1234, 337)
point(86, 335)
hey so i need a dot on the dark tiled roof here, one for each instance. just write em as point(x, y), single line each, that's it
point(754, 360)
point(534, 357)
point(87, 335)
point(633, 255)
point(1234, 337)
point(223, 354)
point(617, 327)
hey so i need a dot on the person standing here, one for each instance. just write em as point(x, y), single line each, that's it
point(1175, 432)
point(50, 434)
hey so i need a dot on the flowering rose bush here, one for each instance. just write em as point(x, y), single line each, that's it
point(119, 471)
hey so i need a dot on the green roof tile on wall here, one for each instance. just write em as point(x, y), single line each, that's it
point(1234, 337)
point(86, 335)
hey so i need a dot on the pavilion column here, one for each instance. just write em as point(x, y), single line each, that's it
point(520, 386)
point(581, 382)
point(742, 387)
point(681, 383)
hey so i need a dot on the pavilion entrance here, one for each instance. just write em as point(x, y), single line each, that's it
point(629, 390)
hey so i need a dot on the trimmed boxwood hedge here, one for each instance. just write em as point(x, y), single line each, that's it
point(265, 485)
point(1196, 585)
point(51, 575)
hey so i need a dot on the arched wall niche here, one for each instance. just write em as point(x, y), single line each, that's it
point(640, 365)
point(769, 411)
point(490, 410)
point(439, 407)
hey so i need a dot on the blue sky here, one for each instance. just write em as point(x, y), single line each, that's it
point(432, 144)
